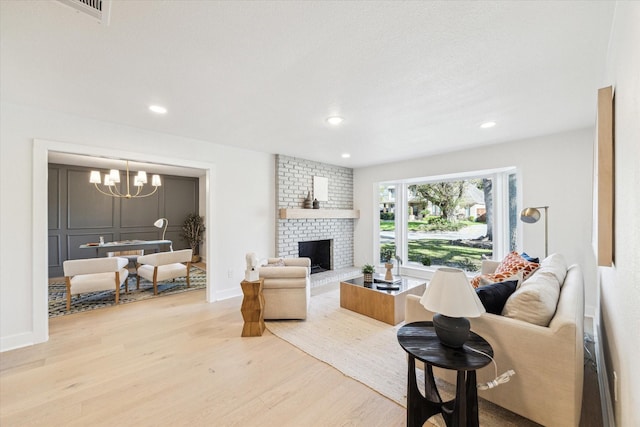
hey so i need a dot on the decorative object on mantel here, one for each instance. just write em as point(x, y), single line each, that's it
point(192, 229)
point(368, 271)
point(531, 216)
point(113, 178)
point(316, 204)
point(308, 204)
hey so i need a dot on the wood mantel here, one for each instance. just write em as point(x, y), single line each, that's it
point(288, 213)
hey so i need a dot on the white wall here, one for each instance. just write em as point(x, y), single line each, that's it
point(620, 285)
point(242, 192)
point(554, 170)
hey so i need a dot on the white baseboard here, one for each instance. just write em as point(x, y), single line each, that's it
point(17, 341)
point(608, 418)
point(226, 294)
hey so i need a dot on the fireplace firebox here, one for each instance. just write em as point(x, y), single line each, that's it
point(320, 253)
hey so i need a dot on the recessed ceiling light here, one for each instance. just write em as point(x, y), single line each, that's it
point(346, 155)
point(487, 125)
point(158, 109)
point(335, 120)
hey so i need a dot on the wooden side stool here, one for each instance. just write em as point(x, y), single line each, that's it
point(252, 308)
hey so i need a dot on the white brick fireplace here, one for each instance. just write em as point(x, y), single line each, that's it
point(294, 179)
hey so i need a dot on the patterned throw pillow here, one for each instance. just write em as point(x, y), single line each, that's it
point(487, 279)
point(514, 262)
point(512, 265)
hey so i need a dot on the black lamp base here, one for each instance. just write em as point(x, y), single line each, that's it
point(452, 331)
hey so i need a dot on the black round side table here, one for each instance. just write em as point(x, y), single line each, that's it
point(420, 342)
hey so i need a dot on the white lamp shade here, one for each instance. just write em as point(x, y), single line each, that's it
point(137, 182)
point(450, 293)
point(160, 222)
point(107, 180)
point(114, 175)
point(94, 178)
point(155, 181)
point(142, 177)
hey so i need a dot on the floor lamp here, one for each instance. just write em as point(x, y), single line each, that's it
point(531, 216)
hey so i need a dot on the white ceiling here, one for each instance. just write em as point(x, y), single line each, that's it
point(410, 78)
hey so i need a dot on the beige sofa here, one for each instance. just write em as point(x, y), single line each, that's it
point(287, 288)
point(548, 360)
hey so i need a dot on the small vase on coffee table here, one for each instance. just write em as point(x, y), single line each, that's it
point(388, 276)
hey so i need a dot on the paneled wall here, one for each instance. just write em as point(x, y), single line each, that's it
point(79, 214)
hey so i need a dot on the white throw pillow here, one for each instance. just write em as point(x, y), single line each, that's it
point(535, 300)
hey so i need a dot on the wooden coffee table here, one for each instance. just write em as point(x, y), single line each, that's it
point(384, 305)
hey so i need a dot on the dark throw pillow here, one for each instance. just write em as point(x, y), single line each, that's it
point(495, 295)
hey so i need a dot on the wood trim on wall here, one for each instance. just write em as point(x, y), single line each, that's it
point(605, 169)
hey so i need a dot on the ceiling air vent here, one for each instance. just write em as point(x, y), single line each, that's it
point(97, 9)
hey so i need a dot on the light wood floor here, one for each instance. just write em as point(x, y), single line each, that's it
point(177, 361)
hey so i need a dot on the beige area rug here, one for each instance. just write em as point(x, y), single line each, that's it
point(368, 351)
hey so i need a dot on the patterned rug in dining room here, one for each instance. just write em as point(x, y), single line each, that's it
point(94, 300)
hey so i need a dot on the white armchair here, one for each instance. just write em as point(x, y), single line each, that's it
point(287, 288)
point(164, 266)
point(95, 274)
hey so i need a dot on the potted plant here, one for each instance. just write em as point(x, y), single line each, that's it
point(368, 271)
point(192, 230)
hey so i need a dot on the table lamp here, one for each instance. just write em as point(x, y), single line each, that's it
point(452, 298)
point(158, 224)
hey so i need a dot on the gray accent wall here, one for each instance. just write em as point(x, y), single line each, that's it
point(79, 214)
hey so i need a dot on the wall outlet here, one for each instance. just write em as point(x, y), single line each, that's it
point(230, 274)
point(615, 386)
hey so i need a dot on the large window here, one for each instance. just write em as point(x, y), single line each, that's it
point(453, 221)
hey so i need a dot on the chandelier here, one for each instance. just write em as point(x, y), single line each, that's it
point(113, 178)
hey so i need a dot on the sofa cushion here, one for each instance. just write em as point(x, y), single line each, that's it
point(535, 300)
point(494, 295)
point(556, 265)
point(282, 272)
